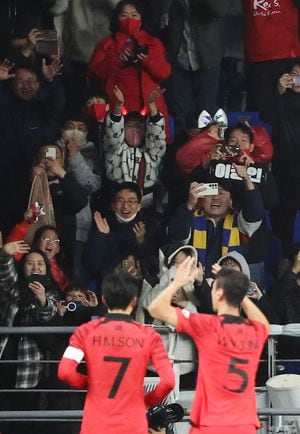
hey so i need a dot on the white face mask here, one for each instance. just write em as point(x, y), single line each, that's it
point(78, 136)
point(122, 220)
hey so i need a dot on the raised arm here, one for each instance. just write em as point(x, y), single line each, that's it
point(253, 312)
point(161, 308)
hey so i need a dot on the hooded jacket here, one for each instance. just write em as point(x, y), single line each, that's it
point(178, 346)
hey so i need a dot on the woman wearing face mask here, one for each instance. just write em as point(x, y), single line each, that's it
point(83, 163)
point(28, 297)
point(130, 58)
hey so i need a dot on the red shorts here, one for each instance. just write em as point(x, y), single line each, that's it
point(234, 429)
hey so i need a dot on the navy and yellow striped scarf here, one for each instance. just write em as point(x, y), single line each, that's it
point(230, 235)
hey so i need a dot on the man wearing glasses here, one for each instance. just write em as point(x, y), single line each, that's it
point(127, 230)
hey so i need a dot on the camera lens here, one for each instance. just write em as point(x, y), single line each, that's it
point(71, 306)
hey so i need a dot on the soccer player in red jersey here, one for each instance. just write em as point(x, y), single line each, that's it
point(229, 348)
point(117, 351)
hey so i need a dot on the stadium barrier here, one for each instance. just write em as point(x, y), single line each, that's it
point(76, 415)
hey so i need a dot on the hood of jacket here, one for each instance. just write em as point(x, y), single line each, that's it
point(240, 260)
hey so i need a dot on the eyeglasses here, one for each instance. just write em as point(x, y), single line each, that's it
point(130, 202)
point(49, 240)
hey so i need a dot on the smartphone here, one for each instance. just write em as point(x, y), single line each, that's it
point(41, 278)
point(296, 80)
point(49, 44)
point(51, 152)
point(211, 189)
point(251, 289)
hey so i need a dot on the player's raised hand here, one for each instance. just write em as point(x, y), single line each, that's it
point(186, 272)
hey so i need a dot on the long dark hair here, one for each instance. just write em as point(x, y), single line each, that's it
point(26, 295)
point(114, 22)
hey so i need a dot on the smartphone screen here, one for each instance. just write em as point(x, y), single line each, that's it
point(51, 152)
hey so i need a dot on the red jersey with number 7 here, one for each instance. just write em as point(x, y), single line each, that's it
point(117, 351)
point(229, 349)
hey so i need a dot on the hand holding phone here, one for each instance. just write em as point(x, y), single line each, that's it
point(51, 153)
point(48, 45)
point(211, 189)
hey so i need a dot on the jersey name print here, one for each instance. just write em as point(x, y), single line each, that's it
point(117, 351)
point(229, 350)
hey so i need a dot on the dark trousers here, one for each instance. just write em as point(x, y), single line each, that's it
point(190, 92)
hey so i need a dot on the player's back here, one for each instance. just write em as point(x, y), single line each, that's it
point(229, 357)
point(229, 350)
point(117, 352)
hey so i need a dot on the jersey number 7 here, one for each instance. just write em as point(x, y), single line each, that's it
point(124, 365)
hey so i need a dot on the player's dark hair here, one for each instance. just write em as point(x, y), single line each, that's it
point(235, 285)
point(241, 126)
point(119, 289)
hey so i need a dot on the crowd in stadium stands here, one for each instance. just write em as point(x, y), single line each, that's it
point(111, 134)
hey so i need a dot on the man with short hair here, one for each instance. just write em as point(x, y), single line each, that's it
point(125, 230)
point(214, 228)
point(30, 114)
point(117, 351)
point(229, 349)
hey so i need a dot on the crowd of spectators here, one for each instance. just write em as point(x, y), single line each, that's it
point(109, 143)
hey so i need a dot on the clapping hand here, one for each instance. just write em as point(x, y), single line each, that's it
point(156, 93)
point(101, 223)
point(139, 230)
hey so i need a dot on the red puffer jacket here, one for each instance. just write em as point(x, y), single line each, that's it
point(196, 151)
point(136, 81)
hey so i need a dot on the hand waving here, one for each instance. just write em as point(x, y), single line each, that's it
point(53, 69)
point(11, 249)
point(5, 68)
point(101, 223)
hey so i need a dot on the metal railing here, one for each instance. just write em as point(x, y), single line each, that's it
point(76, 415)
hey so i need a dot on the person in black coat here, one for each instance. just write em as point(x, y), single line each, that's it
point(286, 159)
point(127, 230)
point(30, 111)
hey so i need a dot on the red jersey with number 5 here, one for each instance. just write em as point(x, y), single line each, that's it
point(229, 349)
point(117, 351)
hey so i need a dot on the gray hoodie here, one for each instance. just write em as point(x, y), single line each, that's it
point(240, 260)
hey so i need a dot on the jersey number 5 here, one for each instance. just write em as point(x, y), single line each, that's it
point(232, 369)
point(124, 365)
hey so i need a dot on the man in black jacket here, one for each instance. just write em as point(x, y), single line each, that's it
point(126, 230)
point(30, 115)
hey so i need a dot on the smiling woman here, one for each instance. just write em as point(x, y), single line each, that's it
point(25, 301)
